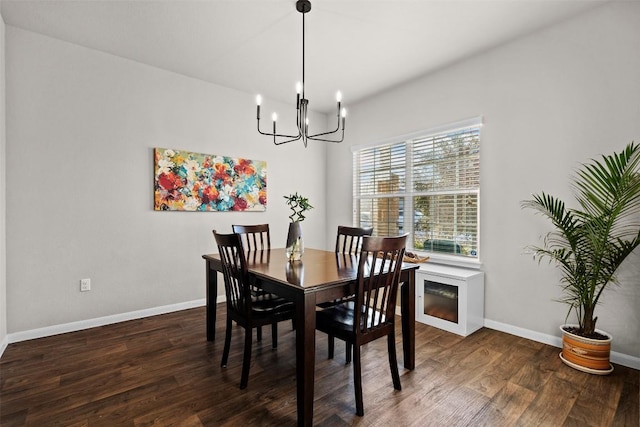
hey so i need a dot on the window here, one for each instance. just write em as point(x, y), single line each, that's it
point(427, 185)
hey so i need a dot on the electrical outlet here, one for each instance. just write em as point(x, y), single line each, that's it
point(85, 285)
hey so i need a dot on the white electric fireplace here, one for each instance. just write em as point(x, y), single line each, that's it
point(450, 298)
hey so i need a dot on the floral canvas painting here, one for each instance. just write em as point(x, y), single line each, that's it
point(186, 181)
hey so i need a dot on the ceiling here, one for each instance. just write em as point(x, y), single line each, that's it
point(361, 47)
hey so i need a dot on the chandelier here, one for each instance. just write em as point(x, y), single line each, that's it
point(302, 104)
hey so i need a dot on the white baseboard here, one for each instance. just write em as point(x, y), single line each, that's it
point(101, 321)
point(619, 358)
point(4, 344)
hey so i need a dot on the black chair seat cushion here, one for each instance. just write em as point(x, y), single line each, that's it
point(267, 304)
point(340, 317)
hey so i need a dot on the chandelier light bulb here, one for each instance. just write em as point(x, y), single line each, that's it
point(258, 100)
point(343, 113)
point(274, 117)
point(298, 88)
point(339, 96)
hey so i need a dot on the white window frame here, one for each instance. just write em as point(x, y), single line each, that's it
point(408, 193)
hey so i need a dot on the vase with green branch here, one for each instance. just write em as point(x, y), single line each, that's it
point(298, 205)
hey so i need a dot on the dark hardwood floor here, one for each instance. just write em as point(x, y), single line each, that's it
point(161, 371)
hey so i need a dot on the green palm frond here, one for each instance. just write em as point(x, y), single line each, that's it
point(590, 243)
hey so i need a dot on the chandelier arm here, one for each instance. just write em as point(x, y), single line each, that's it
point(328, 132)
point(313, 138)
point(323, 134)
point(287, 141)
point(277, 134)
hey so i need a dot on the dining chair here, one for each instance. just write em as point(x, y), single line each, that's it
point(348, 242)
point(349, 239)
point(255, 237)
point(372, 314)
point(246, 309)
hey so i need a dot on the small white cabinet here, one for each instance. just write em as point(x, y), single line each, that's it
point(450, 298)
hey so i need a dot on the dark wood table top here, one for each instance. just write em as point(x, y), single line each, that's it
point(317, 268)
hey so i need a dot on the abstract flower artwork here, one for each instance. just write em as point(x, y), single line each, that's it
point(187, 181)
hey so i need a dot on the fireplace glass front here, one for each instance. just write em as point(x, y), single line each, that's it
point(441, 301)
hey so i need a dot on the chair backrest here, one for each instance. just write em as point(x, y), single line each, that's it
point(349, 239)
point(254, 237)
point(235, 272)
point(378, 277)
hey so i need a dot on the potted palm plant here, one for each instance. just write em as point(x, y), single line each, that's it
point(588, 244)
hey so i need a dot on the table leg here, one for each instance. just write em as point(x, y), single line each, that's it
point(212, 297)
point(305, 356)
point(408, 309)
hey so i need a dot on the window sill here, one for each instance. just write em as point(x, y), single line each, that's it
point(450, 260)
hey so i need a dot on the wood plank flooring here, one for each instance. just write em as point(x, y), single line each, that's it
point(161, 371)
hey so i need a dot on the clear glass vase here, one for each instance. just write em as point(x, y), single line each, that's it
point(295, 244)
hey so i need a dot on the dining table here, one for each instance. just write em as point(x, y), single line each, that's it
point(320, 276)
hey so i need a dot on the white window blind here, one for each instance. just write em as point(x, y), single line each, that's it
point(426, 185)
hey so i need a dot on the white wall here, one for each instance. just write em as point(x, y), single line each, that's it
point(3, 187)
point(549, 101)
point(81, 127)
